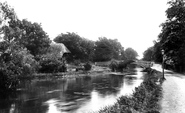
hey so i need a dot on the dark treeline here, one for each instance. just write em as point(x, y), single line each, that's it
point(25, 48)
point(171, 39)
point(22, 42)
point(103, 49)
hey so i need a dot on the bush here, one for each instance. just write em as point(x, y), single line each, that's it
point(16, 62)
point(87, 66)
point(28, 63)
point(77, 62)
point(119, 66)
point(113, 65)
point(49, 64)
point(62, 68)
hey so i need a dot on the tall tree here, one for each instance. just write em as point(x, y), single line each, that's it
point(34, 38)
point(131, 54)
point(157, 56)
point(148, 54)
point(88, 48)
point(103, 50)
point(81, 48)
point(118, 50)
point(27, 34)
point(15, 59)
point(172, 36)
point(107, 49)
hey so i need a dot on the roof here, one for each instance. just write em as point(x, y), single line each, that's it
point(60, 47)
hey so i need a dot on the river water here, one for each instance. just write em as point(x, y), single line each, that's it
point(72, 95)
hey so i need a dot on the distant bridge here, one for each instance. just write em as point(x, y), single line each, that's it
point(143, 64)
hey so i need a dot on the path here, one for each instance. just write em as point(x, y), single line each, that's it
point(173, 100)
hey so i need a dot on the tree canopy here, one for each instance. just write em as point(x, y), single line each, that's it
point(107, 49)
point(81, 48)
point(27, 34)
point(172, 36)
point(131, 54)
point(148, 54)
point(34, 38)
point(15, 59)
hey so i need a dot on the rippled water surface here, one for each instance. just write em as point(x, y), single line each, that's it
point(73, 95)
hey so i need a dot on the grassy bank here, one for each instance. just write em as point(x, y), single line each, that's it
point(96, 70)
point(145, 99)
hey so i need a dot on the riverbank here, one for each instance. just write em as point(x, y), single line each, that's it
point(96, 70)
point(145, 99)
point(71, 95)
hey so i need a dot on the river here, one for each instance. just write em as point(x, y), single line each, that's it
point(71, 95)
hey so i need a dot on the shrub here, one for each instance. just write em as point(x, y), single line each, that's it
point(49, 64)
point(28, 63)
point(77, 62)
point(113, 65)
point(16, 62)
point(62, 68)
point(87, 66)
point(119, 66)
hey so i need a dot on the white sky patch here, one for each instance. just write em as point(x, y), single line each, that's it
point(135, 23)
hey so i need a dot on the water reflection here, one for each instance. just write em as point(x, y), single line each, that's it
point(74, 95)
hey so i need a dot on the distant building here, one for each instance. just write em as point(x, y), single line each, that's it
point(59, 49)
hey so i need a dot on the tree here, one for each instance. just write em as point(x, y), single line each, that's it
point(157, 56)
point(15, 60)
point(107, 49)
point(81, 48)
point(34, 38)
point(117, 49)
point(148, 54)
point(103, 50)
point(27, 34)
point(131, 54)
point(53, 61)
point(88, 49)
point(172, 36)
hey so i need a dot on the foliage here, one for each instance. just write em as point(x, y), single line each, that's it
point(144, 100)
point(25, 33)
point(119, 65)
point(157, 55)
point(148, 54)
point(81, 48)
point(33, 37)
point(153, 53)
point(86, 50)
point(49, 63)
point(131, 54)
point(87, 66)
point(28, 63)
point(172, 36)
point(76, 62)
point(107, 49)
point(113, 65)
point(52, 61)
point(16, 61)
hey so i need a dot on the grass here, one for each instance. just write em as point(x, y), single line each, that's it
point(145, 99)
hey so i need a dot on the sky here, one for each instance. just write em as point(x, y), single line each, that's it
point(135, 23)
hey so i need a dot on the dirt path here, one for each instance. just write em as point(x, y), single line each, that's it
point(173, 94)
point(173, 100)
